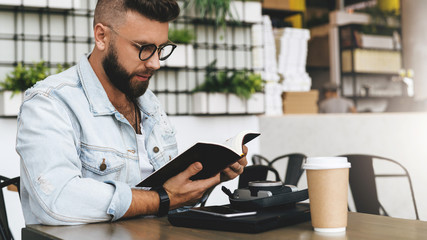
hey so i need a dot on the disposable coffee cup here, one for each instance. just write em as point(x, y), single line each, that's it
point(327, 179)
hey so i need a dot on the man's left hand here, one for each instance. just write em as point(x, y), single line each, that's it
point(236, 168)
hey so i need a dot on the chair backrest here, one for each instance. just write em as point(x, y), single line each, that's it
point(294, 168)
point(259, 160)
point(5, 232)
point(256, 173)
point(363, 182)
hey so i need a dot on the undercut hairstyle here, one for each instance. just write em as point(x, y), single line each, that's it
point(112, 12)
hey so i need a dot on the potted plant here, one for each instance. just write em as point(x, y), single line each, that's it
point(246, 88)
point(19, 80)
point(228, 91)
point(222, 11)
point(183, 56)
point(219, 10)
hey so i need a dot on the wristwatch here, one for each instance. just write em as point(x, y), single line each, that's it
point(164, 201)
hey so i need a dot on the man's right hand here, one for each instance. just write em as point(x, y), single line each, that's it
point(182, 191)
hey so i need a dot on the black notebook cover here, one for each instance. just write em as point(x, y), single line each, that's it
point(214, 158)
point(264, 220)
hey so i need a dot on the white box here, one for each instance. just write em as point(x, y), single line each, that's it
point(10, 103)
point(376, 41)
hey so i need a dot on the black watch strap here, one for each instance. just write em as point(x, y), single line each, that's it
point(164, 201)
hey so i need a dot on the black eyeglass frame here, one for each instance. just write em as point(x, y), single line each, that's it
point(143, 46)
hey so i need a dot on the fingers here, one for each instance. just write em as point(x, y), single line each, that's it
point(210, 182)
point(192, 170)
point(237, 167)
point(245, 149)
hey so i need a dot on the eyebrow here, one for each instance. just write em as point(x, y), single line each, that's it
point(144, 42)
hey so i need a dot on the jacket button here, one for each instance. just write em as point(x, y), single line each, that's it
point(103, 166)
point(156, 149)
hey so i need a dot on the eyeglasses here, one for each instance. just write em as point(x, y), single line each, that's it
point(146, 51)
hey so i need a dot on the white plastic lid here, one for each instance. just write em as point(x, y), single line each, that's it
point(330, 230)
point(314, 163)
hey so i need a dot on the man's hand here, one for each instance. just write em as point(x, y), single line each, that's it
point(182, 191)
point(236, 168)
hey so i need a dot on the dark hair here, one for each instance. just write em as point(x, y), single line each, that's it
point(112, 11)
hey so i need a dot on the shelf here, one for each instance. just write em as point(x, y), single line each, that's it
point(44, 10)
point(369, 74)
point(358, 26)
point(373, 49)
point(212, 22)
point(278, 13)
point(379, 61)
point(222, 46)
point(377, 97)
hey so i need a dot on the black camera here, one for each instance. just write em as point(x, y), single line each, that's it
point(262, 189)
point(265, 194)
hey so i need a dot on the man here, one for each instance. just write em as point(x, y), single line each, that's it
point(87, 135)
point(333, 103)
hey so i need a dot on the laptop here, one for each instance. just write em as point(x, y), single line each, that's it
point(265, 219)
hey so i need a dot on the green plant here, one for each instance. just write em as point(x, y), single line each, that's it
point(380, 21)
point(61, 68)
point(184, 36)
point(216, 9)
point(241, 82)
point(245, 83)
point(22, 78)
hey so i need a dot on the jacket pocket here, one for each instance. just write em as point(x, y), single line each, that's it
point(101, 163)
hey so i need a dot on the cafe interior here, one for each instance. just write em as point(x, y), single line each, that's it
point(316, 78)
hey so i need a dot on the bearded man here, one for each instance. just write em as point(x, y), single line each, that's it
point(88, 135)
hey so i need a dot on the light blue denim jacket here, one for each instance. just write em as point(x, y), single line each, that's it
point(67, 130)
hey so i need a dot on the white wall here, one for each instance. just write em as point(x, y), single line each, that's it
point(10, 168)
point(215, 129)
point(189, 130)
point(414, 38)
point(400, 136)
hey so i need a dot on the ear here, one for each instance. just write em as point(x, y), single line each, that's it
point(101, 38)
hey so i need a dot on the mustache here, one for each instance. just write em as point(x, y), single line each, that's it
point(144, 73)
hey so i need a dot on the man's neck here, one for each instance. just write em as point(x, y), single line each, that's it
point(116, 97)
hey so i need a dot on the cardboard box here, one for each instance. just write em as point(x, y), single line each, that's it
point(276, 4)
point(300, 102)
point(312, 95)
point(371, 61)
point(295, 108)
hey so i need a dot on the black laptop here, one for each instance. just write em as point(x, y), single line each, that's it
point(265, 219)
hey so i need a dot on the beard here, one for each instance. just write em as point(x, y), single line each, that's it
point(120, 78)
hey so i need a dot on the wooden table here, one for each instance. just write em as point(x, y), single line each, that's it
point(360, 226)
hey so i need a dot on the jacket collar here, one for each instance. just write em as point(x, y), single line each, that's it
point(97, 97)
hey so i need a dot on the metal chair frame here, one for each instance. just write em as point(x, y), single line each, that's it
point(353, 157)
point(294, 169)
point(5, 232)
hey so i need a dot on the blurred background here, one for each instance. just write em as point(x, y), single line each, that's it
point(261, 65)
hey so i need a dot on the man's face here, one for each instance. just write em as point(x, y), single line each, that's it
point(122, 65)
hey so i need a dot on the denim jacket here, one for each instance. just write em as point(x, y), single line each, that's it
point(79, 155)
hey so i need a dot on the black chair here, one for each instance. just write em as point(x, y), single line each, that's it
point(5, 232)
point(259, 160)
point(363, 182)
point(256, 173)
point(294, 165)
point(294, 168)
